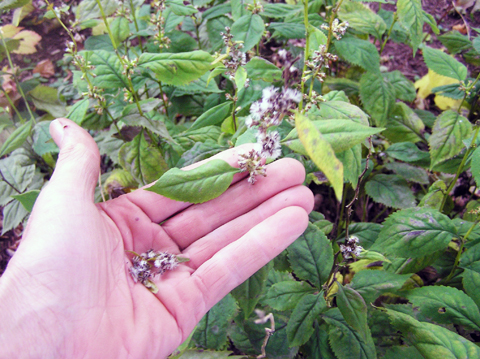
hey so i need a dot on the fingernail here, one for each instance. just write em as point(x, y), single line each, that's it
point(57, 131)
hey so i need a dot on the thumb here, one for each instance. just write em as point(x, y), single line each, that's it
point(77, 168)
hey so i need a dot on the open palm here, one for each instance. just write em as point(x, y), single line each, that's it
point(68, 290)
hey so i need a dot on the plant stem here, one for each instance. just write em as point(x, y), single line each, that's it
point(22, 120)
point(307, 50)
point(165, 103)
point(395, 18)
point(8, 183)
point(460, 169)
point(134, 16)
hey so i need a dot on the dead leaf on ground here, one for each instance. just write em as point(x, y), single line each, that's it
point(28, 39)
point(461, 28)
point(45, 68)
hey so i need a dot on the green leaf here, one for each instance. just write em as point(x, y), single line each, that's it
point(407, 152)
point(409, 172)
point(317, 347)
point(238, 9)
point(240, 78)
point(200, 151)
point(16, 138)
point(430, 21)
point(390, 190)
point(476, 44)
point(321, 153)
point(359, 52)
point(89, 9)
point(404, 88)
point(432, 341)
point(352, 164)
point(346, 342)
point(287, 30)
point(12, 4)
point(373, 283)
point(349, 87)
point(78, 111)
point(415, 232)
point(446, 305)
point(179, 8)
point(142, 160)
point(367, 233)
point(300, 324)
point(475, 165)
point(213, 116)
point(411, 17)
point(200, 86)
point(46, 98)
point(120, 29)
point(354, 310)
point(188, 139)
point(198, 185)
point(214, 27)
point(216, 11)
point(340, 134)
point(443, 64)
point(471, 283)
point(311, 256)
point(211, 332)
point(27, 199)
point(42, 141)
point(452, 91)
point(403, 124)
point(335, 110)
point(261, 69)
point(19, 171)
point(248, 293)
point(362, 19)
point(317, 38)
point(177, 69)
point(13, 214)
point(108, 69)
point(278, 10)
point(285, 295)
point(378, 96)
point(249, 29)
point(448, 133)
point(455, 42)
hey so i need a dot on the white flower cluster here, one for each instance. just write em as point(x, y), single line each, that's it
point(338, 28)
point(265, 113)
point(149, 264)
point(236, 57)
point(350, 248)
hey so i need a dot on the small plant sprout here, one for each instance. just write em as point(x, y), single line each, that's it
point(146, 266)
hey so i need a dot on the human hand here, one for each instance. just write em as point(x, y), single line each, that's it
point(67, 291)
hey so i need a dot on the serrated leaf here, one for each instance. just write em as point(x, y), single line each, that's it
point(359, 52)
point(378, 96)
point(475, 165)
point(317, 38)
point(367, 233)
point(335, 110)
point(261, 69)
point(404, 88)
point(415, 232)
point(13, 214)
point(211, 331)
point(278, 10)
point(214, 27)
point(200, 151)
point(411, 17)
point(352, 164)
point(177, 69)
point(248, 293)
point(108, 69)
point(409, 172)
point(446, 305)
point(88, 9)
point(347, 343)
point(179, 8)
point(12, 4)
point(451, 91)
point(317, 347)
point(407, 152)
point(142, 160)
point(240, 78)
point(403, 124)
point(248, 29)
point(16, 138)
point(362, 19)
point(286, 295)
point(373, 283)
point(443, 64)
point(455, 42)
point(349, 87)
point(18, 171)
point(471, 283)
point(287, 30)
point(27, 199)
point(311, 256)
point(390, 190)
point(300, 324)
point(321, 153)
point(46, 98)
point(198, 185)
point(353, 309)
point(432, 341)
point(120, 29)
point(216, 11)
point(42, 140)
point(213, 116)
point(448, 133)
point(476, 44)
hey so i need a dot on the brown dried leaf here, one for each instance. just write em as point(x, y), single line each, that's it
point(45, 68)
point(461, 28)
point(28, 40)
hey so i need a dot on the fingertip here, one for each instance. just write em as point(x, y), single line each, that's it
point(57, 131)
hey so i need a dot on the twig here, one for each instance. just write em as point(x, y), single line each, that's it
point(268, 331)
point(464, 21)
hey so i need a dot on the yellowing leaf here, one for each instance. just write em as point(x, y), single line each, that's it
point(28, 40)
point(432, 80)
point(20, 13)
point(9, 31)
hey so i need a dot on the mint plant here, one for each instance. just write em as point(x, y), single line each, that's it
point(389, 265)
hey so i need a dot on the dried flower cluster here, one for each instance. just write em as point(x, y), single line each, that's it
point(147, 265)
point(338, 28)
point(350, 248)
point(265, 113)
point(318, 60)
point(234, 57)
